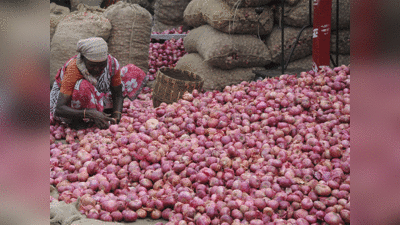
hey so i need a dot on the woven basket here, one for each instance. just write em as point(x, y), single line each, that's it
point(172, 83)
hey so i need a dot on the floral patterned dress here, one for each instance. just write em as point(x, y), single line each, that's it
point(86, 96)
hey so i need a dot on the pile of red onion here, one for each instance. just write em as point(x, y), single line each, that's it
point(178, 30)
point(166, 54)
point(275, 151)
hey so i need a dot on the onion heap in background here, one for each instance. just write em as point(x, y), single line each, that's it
point(166, 54)
point(266, 152)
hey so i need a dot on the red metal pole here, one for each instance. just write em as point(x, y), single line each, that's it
point(321, 33)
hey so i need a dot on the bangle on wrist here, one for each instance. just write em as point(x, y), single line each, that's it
point(117, 112)
point(84, 114)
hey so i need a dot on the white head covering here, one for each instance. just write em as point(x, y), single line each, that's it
point(95, 49)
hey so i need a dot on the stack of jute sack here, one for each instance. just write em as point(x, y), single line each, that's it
point(224, 47)
point(105, 3)
point(125, 26)
point(57, 13)
point(219, 24)
point(168, 14)
point(296, 16)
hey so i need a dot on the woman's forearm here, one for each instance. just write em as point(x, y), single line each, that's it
point(117, 98)
point(63, 110)
point(70, 113)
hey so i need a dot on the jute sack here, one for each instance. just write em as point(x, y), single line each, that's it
point(306, 62)
point(76, 3)
point(193, 15)
point(144, 3)
point(290, 2)
point(57, 13)
point(160, 27)
point(233, 20)
point(170, 11)
point(86, 221)
point(63, 213)
point(303, 48)
point(93, 9)
point(247, 3)
point(75, 26)
point(298, 15)
point(53, 192)
point(227, 51)
point(344, 42)
point(214, 78)
point(129, 41)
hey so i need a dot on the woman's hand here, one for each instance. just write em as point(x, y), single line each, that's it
point(101, 119)
point(117, 117)
point(116, 94)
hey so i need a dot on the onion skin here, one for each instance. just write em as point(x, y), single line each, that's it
point(323, 190)
point(110, 206)
point(333, 218)
point(345, 215)
point(117, 216)
point(129, 215)
point(141, 213)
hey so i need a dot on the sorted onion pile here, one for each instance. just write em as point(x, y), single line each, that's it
point(166, 54)
point(178, 30)
point(275, 151)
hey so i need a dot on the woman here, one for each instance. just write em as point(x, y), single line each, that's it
point(91, 87)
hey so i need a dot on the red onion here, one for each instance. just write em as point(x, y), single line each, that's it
point(93, 214)
point(155, 214)
point(323, 190)
point(129, 215)
point(141, 213)
point(226, 218)
point(333, 218)
point(273, 204)
point(117, 216)
point(106, 217)
point(134, 204)
point(105, 186)
point(110, 206)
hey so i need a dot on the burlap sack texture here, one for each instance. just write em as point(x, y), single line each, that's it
point(86, 221)
point(160, 27)
point(143, 3)
point(306, 62)
point(170, 12)
point(192, 14)
point(75, 26)
point(54, 192)
point(303, 48)
point(62, 213)
point(227, 51)
point(298, 15)
point(344, 42)
point(129, 41)
point(76, 3)
point(247, 3)
point(214, 78)
point(93, 9)
point(57, 13)
point(229, 19)
point(291, 2)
